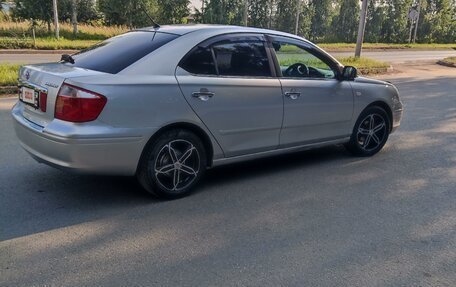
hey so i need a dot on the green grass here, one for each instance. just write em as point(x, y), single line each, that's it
point(48, 43)
point(363, 63)
point(8, 74)
point(85, 32)
point(365, 66)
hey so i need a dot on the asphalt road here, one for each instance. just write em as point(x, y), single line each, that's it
point(316, 218)
point(394, 57)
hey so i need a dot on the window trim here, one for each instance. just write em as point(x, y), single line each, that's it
point(231, 37)
point(334, 66)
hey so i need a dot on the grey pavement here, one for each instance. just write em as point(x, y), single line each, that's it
point(392, 56)
point(316, 218)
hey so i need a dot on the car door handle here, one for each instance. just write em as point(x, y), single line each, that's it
point(204, 96)
point(293, 95)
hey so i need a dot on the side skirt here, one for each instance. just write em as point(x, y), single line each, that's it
point(280, 151)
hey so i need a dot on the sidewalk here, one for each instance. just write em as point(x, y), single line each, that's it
point(32, 51)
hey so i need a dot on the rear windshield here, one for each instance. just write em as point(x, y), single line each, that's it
point(117, 53)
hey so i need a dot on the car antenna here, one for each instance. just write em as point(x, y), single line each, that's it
point(156, 25)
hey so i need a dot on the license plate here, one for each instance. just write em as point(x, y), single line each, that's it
point(29, 96)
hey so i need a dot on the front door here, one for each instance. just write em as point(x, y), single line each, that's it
point(317, 106)
point(229, 82)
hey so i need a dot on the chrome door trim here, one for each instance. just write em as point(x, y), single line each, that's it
point(241, 158)
point(203, 96)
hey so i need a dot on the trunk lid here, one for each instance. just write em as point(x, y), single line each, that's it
point(47, 78)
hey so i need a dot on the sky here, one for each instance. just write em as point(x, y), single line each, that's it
point(196, 3)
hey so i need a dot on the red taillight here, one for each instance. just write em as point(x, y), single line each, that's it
point(43, 101)
point(78, 105)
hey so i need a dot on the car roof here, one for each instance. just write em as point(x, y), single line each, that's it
point(182, 29)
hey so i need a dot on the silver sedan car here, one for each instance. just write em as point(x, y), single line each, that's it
point(166, 103)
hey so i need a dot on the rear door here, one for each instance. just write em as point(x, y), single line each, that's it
point(231, 85)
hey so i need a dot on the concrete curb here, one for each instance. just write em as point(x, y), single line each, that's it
point(8, 90)
point(376, 71)
point(443, 63)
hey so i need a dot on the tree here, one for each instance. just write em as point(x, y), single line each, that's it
point(259, 13)
point(229, 12)
point(345, 24)
point(286, 11)
point(438, 21)
point(40, 10)
point(322, 13)
point(376, 18)
point(395, 27)
point(86, 10)
point(172, 11)
point(128, 12)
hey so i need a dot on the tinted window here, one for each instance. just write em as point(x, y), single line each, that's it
point(199, 61)
point(247, 58)
point(117, 53)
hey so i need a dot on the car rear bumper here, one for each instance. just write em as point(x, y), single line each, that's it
point(94, 155)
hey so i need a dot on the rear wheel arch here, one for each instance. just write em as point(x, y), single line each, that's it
point(198, 131)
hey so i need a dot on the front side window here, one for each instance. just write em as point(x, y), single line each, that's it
point(246, 58)
point(297, 62)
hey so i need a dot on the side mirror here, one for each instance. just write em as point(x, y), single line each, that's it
point(349, 73)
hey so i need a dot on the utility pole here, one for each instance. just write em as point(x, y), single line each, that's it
point(246, 12)
point(74, 16)
point(417, 19)
point(361, 28)
point(410, 32)
point(56, 18)
point(298, 11)
point(412, 16)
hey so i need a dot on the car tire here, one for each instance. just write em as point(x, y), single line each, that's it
point(172, 164)
point(370, 132)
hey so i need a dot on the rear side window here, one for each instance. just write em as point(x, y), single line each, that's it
point(117, 53)
point(242, 59)
point(199, 61)
point(229, 55)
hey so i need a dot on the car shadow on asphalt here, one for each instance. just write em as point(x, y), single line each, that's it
point(53, 199)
